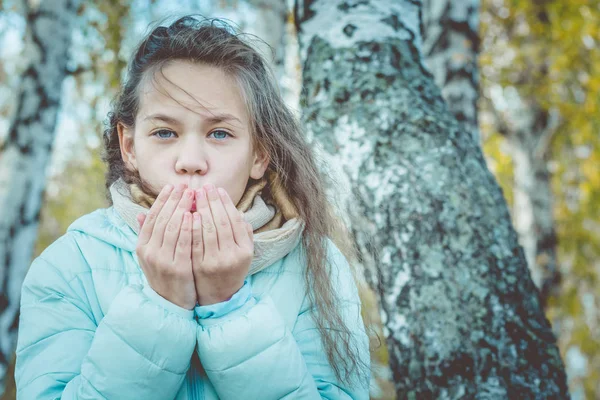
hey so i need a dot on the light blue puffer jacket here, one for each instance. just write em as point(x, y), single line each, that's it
point(92, 328)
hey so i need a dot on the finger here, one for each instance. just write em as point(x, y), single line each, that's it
point(221, 219)
point(250, 232)
point(238, 224)
point(140, 219)
point(163, 218)
point(197, 242)
point(150, 218)
point(183, 248)
point(209, 233)
point(173, 228)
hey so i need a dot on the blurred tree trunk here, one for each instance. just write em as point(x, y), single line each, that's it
point(528, 133)
point(540, 73)
point(460, 311)
point(529, 127)
point(450, 49)
point(26, 153)
point(271, 27)
point(268, 21)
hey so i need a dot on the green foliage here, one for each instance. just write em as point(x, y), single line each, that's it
point(549, 53)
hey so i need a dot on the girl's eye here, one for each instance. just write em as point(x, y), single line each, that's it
point(219, 132)
point(163, 134)
point(158, 133)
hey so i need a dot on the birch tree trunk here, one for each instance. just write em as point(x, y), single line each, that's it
point(528, 133)
point(461, 315)
point(26, 153)
point(529, 128)
point(271, 27)
point(450, 50)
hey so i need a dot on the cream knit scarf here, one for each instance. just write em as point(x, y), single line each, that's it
point(277, 228)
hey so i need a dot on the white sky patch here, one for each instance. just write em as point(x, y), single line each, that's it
point(576, 361)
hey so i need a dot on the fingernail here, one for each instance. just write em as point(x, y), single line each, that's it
point(222, 192)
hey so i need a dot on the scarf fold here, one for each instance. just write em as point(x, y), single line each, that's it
point(277, 228)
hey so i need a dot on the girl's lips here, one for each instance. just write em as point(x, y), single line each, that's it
point(193, 206)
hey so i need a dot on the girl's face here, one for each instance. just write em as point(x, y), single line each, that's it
point(195, 138)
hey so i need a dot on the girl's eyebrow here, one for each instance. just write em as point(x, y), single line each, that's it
point(214, 119)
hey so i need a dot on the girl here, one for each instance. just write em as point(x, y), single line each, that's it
point(213, 274)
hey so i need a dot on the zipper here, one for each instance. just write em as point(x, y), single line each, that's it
point(195, 385)
point(189, 387)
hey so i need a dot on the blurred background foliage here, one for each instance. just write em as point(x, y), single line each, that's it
point(549, 51)
point(545, 51)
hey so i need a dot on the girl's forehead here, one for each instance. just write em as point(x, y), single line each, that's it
point(170, 112)
point(208, 92)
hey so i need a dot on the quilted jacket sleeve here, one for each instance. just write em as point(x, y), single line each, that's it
point(250, 352)
point(219, 309)
point(141, 349)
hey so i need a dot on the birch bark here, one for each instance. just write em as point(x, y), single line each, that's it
point(25, 155)
point(461, 315)
point(450, 50)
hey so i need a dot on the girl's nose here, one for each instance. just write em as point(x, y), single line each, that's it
point(191, 158)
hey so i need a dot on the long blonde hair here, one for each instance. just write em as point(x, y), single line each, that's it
point(275, 131)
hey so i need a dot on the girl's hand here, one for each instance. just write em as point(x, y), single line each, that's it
point(164, 246)
point(222, 246)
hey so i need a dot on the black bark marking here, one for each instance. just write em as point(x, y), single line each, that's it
point(393, 21)
point(349, 30)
